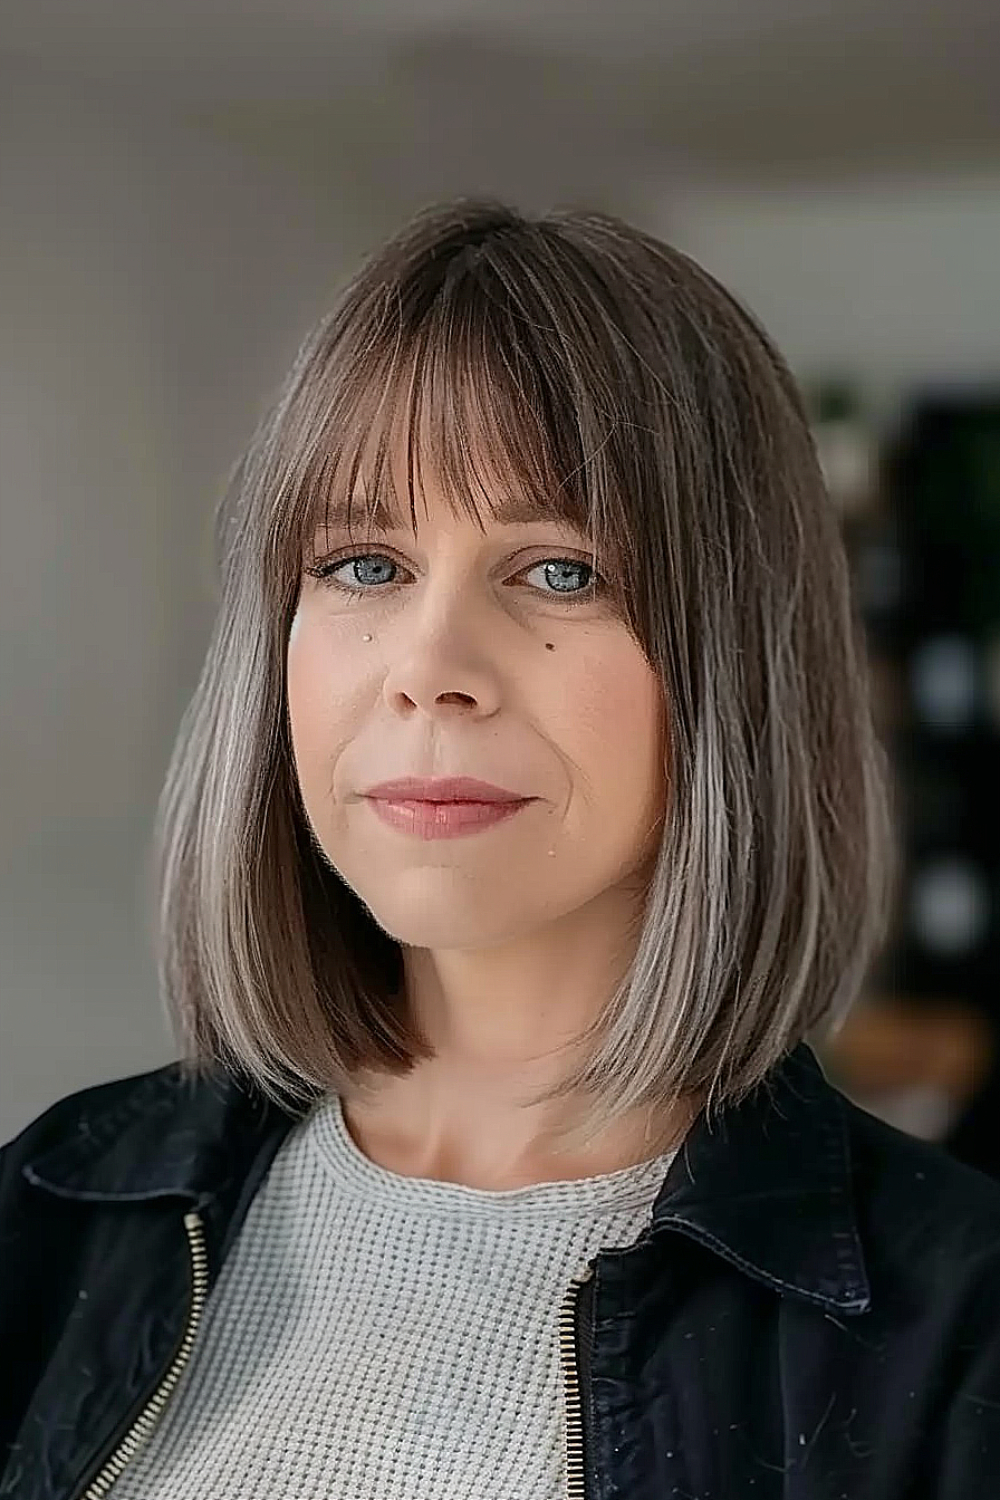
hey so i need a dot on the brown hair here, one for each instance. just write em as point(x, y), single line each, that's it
point(622, 386)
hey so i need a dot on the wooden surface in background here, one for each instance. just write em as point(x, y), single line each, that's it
point(886, 1046)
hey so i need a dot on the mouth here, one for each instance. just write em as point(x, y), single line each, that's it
point(439, 820)
point(444, 791)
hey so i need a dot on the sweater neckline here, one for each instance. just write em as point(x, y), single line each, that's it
point(627, 1187)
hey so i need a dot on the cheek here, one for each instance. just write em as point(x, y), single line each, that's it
point(615, 705)
point(315, 711)
point(302, 697)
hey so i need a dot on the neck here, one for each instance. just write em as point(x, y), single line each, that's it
point(430, 1124)
point(504, 1024)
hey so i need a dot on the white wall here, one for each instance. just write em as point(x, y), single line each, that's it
point(895, 279)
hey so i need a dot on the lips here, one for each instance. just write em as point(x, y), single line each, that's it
point(444, 789)
point(444, 820)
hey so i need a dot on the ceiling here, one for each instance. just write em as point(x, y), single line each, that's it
point(767, 87)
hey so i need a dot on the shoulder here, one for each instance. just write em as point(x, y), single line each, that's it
point(96, 1101)
point(172, 1130)
point(916, 1204)
point(80, 1122)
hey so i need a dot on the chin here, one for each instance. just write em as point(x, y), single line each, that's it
point(451, 914)
point(443, 930)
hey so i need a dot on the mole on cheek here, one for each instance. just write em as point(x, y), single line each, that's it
point(549, 646)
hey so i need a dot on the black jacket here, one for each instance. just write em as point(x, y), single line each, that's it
point(814, 1313)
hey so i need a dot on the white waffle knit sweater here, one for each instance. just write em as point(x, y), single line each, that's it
point(373, 1336)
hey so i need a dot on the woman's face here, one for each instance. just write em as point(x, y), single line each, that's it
point(481, 662)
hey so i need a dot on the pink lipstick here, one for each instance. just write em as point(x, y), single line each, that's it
point(443, 808)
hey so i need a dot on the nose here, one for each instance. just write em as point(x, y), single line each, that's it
point(432, 677)
point(449, 657)
point(411, 697)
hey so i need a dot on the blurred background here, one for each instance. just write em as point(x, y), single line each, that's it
point(183, 188)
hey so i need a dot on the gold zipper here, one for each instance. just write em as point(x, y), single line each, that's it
point(151, 1412)
point(575, 1473)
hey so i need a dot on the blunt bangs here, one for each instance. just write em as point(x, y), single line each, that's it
point(486, 406)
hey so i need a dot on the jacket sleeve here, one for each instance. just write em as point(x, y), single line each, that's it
point(965, 1452)
point(33, 1226)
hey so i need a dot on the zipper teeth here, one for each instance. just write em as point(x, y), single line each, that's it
point(575, 1474)
point(151, 1412)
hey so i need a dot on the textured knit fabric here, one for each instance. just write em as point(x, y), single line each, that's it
point(373, 1336)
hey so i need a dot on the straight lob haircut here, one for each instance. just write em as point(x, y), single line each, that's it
point(614, 382)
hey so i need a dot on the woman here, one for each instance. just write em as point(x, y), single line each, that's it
point(497, 1161)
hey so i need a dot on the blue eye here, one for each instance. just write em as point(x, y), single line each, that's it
point(556, 569)
point(557, 563)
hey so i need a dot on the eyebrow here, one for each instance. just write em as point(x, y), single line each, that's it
point(510, 510)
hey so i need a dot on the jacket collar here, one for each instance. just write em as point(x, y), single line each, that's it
point(768, 1187)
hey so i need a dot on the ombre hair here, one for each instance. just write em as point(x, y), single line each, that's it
point(614, 382)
